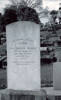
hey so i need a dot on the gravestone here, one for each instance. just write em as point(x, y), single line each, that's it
point(58, 54)
point(57, 75)
point(23, 56)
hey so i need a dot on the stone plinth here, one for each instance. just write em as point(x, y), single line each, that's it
point(22, 95)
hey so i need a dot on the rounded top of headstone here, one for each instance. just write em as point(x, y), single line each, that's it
point(22, 14)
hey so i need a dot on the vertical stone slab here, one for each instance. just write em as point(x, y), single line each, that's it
point(23, 56)
point(57, 75)
point(51, 97)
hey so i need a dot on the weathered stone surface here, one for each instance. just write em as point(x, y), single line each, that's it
point(57, 75)
point(23, 56)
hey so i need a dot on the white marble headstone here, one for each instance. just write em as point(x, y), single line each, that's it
point(23, 56)
point(57, 75)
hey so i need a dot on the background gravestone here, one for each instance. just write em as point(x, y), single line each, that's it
point(57, 75)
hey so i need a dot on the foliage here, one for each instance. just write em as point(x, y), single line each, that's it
point(10, 16)
point(35, 4)
point(2, 25)
point(20, 13)
point(53, 13)
point(20, 10)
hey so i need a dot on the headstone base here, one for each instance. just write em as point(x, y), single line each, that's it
point(22, 95)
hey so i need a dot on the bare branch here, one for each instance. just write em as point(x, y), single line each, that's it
point(15, 2)
point(30, 2)
point(35, 5)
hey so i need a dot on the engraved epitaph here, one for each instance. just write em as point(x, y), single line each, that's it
point(23, 56)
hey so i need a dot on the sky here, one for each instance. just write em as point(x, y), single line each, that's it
point(3, 4)
point(51, 4)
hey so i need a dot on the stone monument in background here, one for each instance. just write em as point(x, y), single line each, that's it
point(57, 70)
point(57, 76)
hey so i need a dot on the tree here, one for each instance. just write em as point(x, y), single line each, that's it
point(22, 13)
point(28, 14)
point(2, 25)
point(30, 3)
point(53, 14)
point(10, 15)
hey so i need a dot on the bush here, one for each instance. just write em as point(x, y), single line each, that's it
point(22, 13)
